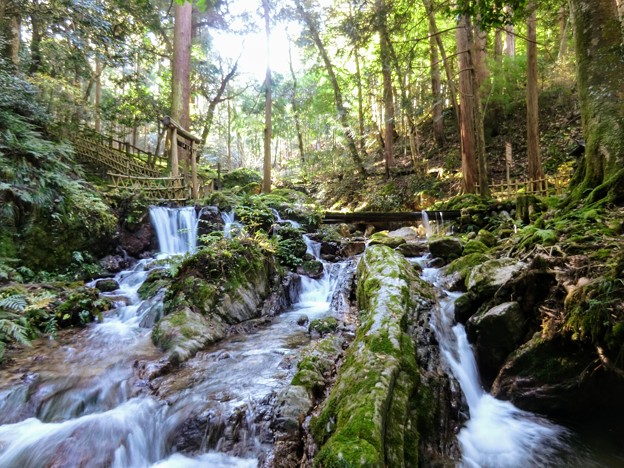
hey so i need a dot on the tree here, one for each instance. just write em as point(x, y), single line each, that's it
point(533, 143)
point(598, 40)
point(266, 180)
point(388, 96)
point(311, 23)
point(181, 64)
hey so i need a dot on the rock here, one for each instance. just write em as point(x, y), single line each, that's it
point(496, 333)
point(413, 249)
point(487, 238)
point(370, 230)
point(352, 247)
point(436, 263)
point(381, 238)
point(302, 320)
point(323, 326)
point(486, 278)
point(106, 285)
point(344, 231)
point(138, 242)
point(115, 263)
point(329, 248)
point(475, 246)
point(311, 268)
point(453, 276)
point(408, 233)
point(210, 220)
point(559, 378)
point(447, 248)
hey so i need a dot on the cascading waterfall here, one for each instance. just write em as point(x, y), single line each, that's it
point(176, 229)
point(230, 225)
point(497, 434)
point(78, 401)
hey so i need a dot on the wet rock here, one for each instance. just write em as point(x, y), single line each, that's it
point(106, 285)
point(436, 263)
point(311, 268)
point(329, 248)
point(302, 320)
point(209, 220)
point(408, 233)
point(151, 309)
point(352, 247)
point(138, 242)
point(370, 230)
point(413, 249)
point(447, 248)
point(560, 378)
point(115, 263)
point(496, 333)
point(323, 326)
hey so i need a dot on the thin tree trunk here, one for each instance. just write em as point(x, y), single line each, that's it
point(215, 100)
point(266, 180)
point(447, 64)
point(436, 92)
point(181, 63)
point(296, 110)
point(388, 97)
point(480, 75)
point(510, 41)
point(563, 33)
point(342, 111)
point(98, 94)
point(35, 42)
point(533, 146)
point(229, 134)
point(467, 113)
point(360, 93)
point(498, 45)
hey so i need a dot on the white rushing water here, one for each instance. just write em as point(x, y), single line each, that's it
point(231, 227)
point(76, 401)
point(497, 435)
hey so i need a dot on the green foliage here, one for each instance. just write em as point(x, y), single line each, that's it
point(240, 178)
point(291, 248)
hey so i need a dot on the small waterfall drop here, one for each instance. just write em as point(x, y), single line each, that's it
point(230, 225)
point(425, 223)
point(497, 434)
point(278, 219)
point(176, 229)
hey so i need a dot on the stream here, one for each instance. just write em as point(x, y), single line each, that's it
point(78, 401)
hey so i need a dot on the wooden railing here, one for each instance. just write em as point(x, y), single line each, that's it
point(551, 185)
point(153, 188)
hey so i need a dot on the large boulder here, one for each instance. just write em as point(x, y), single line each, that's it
point(560, 378)
point(447, 248)
point(496, 333)
point(408, 233)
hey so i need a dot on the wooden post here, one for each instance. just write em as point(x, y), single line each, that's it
point(195, 187)
point(174, 152)
point(508, 163)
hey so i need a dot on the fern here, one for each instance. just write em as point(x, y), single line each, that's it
point(14, 303)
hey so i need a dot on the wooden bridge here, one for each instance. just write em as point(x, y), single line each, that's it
point(157, 177)
point(376, 217)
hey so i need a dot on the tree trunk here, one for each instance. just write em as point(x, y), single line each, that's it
point(266, 180)
point(498, 45)
point(598, 37)
point(533, 144)
point(35, 42)
point(98, 94)
point(10, 31)
point(181, 63)
point(563, 33)
point(467, 105)
point(296, 110)
point(360, 93)
point(342, 111)
point(447, 64)
point(510, 41)
point(215, 100)
point(436, 85)
point(479, 75)
point(388, 96)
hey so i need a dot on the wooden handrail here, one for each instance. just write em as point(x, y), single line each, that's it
point(169, 122)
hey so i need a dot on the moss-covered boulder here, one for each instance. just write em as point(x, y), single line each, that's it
point(475, 246)
point(455, 273)
point(560, 378)
point(447, 248)
point(382, 238)
point(370, 417)
point(487, 238)
point(221, 285)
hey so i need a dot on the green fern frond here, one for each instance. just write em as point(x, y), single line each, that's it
point(14, 303)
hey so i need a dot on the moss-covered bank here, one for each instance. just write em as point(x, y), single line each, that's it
point(370, 417)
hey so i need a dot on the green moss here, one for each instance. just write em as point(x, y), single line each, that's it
point(464, 265)
point(323, 326)
point(475, 246)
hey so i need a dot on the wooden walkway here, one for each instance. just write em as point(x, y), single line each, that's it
point(156, 177)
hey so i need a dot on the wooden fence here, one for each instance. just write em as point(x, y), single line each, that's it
point(153, 188)
point(547, 186)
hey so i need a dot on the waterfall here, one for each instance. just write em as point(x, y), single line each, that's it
point(230, 225)
point(497, 434)
point(278, 219)
point(176, 229)
point(425, 222)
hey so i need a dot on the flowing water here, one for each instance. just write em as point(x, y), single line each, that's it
point(497, 434)
point(82, 400)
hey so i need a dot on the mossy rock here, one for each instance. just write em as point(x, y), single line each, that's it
point(558, 378)
point(323, 326)
point(240, 178)
point(456, 272)
point(475, 246)
point(82, 306)
point(487, 238)
point(369, 417)
point(156, 280)
point(447, 248)
point(382, 238)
